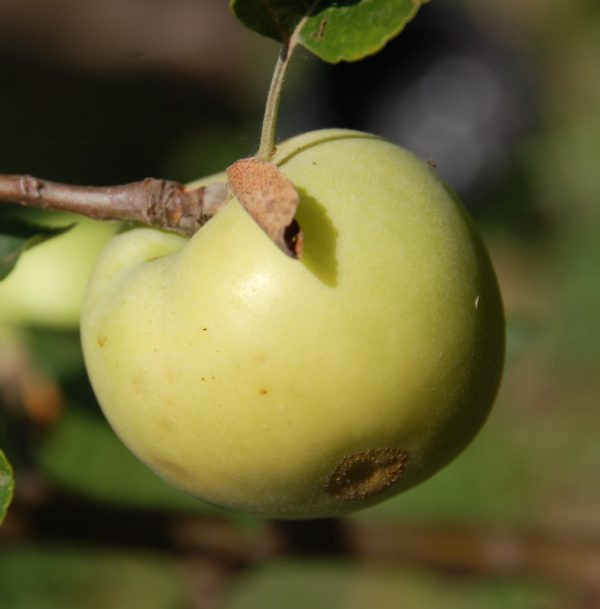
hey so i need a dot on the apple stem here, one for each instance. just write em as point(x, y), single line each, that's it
point(152, 201)
point(269, 126)
point(266, 148)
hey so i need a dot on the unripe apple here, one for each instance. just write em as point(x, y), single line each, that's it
point(312, 387)
point(46, 287)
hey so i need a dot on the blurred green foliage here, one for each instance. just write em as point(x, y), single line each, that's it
point(66, 578)
point(326, 585)
point(83, 454)
point(6, 485)
point(534, 467)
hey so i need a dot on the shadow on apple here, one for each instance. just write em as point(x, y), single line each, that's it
point(320, 239)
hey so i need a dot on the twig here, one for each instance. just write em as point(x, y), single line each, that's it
point(153, 202)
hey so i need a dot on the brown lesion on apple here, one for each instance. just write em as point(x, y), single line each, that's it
point(367, 473)
point(263, 391)
point(101, 340)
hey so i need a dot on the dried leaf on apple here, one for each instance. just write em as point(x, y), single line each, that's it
point(270, 197)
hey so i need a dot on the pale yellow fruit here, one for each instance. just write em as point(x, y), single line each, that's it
point(306, 388)
point(46, 287)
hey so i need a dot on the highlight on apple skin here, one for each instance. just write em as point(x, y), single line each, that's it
point(303, 388)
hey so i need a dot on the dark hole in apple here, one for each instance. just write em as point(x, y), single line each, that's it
point(292, 235)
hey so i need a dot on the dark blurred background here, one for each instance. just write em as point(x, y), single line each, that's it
point(504, 96)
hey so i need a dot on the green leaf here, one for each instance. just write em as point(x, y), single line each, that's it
point(350, 31)
point(17, 236)
point(335, 30)
point(275, 19)
point(6, 485)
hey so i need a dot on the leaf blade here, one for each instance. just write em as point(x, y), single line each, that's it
point(6, 485)
point(275, 19)
point(334, 30)
point(350, 33)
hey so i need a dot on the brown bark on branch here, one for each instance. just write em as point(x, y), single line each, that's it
point(153, 202)
point(564, 556)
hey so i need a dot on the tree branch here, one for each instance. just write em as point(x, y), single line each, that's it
point(564, 556)
point(153, 202)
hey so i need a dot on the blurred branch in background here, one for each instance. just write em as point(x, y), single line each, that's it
point(561, 556)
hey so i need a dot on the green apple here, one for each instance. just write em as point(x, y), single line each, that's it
point(312, 387)
point(46, 288)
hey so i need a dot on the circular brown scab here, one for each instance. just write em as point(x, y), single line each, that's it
point(367, 473)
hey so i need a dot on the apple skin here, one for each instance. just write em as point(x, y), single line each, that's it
point(311, 388)
point(46, 287)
